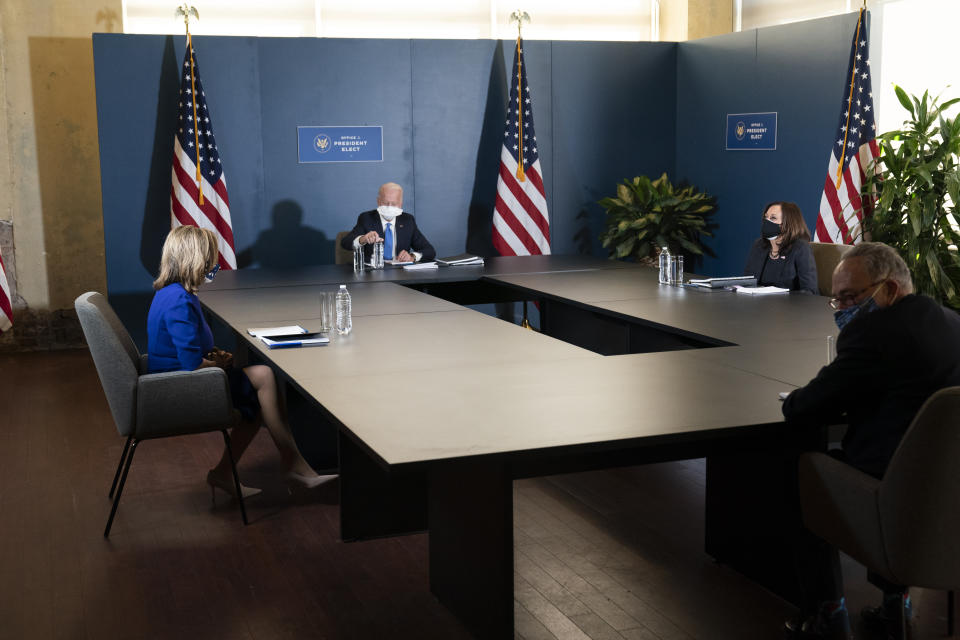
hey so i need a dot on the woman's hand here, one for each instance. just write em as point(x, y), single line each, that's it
point(219, 358)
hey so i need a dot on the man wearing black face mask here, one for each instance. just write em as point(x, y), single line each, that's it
point(895, 349)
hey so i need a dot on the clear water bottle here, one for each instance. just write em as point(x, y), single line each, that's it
point(344, 321)
point(664, 266)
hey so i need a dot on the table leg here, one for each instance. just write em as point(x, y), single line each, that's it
point(375, 503)
point(471, 545)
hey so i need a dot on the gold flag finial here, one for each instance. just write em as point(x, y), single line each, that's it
point(185, 11)
point(519, 17)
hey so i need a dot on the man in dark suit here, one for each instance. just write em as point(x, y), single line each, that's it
point(895, 349)
point(390, 224)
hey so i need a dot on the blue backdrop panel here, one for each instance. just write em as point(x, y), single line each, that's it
point(796, 70)
point(614, 117)
point(137, 90)
point(332, 82)
point(454, 129)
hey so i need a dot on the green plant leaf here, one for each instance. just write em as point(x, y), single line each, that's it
point(904, 100)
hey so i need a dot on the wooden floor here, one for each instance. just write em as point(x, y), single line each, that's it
point(614, 554)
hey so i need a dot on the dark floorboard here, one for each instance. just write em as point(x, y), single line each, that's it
point(605, 555)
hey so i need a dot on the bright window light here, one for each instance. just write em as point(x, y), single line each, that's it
point(461, 19)
point(919, 54)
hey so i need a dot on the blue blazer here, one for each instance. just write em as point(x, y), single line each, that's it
point(407, 235)
point(178, 335)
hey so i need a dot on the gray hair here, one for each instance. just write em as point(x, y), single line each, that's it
point(882, 262)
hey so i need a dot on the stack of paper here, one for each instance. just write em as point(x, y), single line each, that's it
point(289, 336)
point(420, 266)
point(761, 291)
point(461, 260)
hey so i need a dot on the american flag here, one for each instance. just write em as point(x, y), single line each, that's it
point(6, 308)
point(521, 225)
point(842, 208)
point(199, 198)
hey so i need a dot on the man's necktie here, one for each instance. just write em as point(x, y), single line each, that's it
point(388, 243)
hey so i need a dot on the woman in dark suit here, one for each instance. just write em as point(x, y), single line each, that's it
point(179, 339)
point(781, 257)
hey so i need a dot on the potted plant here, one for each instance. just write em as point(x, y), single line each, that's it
point(918, 189)
point(647, 215)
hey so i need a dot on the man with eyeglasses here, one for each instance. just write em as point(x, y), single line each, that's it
point(895, 350)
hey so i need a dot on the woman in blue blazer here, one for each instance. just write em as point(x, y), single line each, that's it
point(781, 257)
point(179, 339)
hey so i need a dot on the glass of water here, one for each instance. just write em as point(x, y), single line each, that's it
point(377, 261)
point(676, 270)
point(358, 259)
point(328, 311)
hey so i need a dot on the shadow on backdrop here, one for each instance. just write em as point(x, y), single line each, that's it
point(479, 241)
point(156, 209)
point(288, 243)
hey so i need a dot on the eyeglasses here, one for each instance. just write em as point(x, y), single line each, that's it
point(850, 299)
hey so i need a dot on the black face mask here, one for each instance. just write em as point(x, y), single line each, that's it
point(769, 229)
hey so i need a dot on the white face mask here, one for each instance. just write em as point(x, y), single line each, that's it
point(389, 212)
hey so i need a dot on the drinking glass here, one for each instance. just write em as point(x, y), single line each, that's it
point(358, 259)
point(328, 311)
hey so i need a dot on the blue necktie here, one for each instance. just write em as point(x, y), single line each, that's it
point(388, 243)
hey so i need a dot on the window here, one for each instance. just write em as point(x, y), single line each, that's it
point(462, 19)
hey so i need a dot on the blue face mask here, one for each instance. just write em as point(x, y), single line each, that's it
point(843, 316)
point(212, 273)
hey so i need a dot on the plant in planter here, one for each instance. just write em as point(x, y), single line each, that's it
point(918, 188)
point(646, 215)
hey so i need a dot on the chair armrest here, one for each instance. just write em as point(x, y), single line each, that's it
point(840, 504)
point(182, 402)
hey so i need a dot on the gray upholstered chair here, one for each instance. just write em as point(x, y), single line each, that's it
point(827, 256)
point(904, 527)
point(341, 255)
point(147, 406)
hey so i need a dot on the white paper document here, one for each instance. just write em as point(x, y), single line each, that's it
point(420, 266)
point(266, 332)
point(761, 291)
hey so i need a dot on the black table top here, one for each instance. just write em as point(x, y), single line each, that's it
point(421, 380)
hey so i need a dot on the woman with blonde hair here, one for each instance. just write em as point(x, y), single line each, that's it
point(781, 256)
point(179, 339)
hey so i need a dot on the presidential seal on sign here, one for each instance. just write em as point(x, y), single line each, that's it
point(322, 143)
point(741, 129)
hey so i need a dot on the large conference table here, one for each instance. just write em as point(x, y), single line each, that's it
point(438, 407)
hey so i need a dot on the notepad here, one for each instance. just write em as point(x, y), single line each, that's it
point(298, 340)
point(420, 266)
point(260, 332)
point(464, 259)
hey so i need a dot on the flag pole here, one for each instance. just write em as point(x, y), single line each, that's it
point(186, 11)
point(520, 17)
point(853, 80)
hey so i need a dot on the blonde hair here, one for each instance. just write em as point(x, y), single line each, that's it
point(188, 254)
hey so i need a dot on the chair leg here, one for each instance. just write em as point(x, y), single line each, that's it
point(900, 620)
point(951, 614)
point(236, 477)
point(116, 476)
point(123, 479)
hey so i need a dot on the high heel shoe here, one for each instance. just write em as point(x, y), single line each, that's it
point(226, 485)
point(301, 481)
